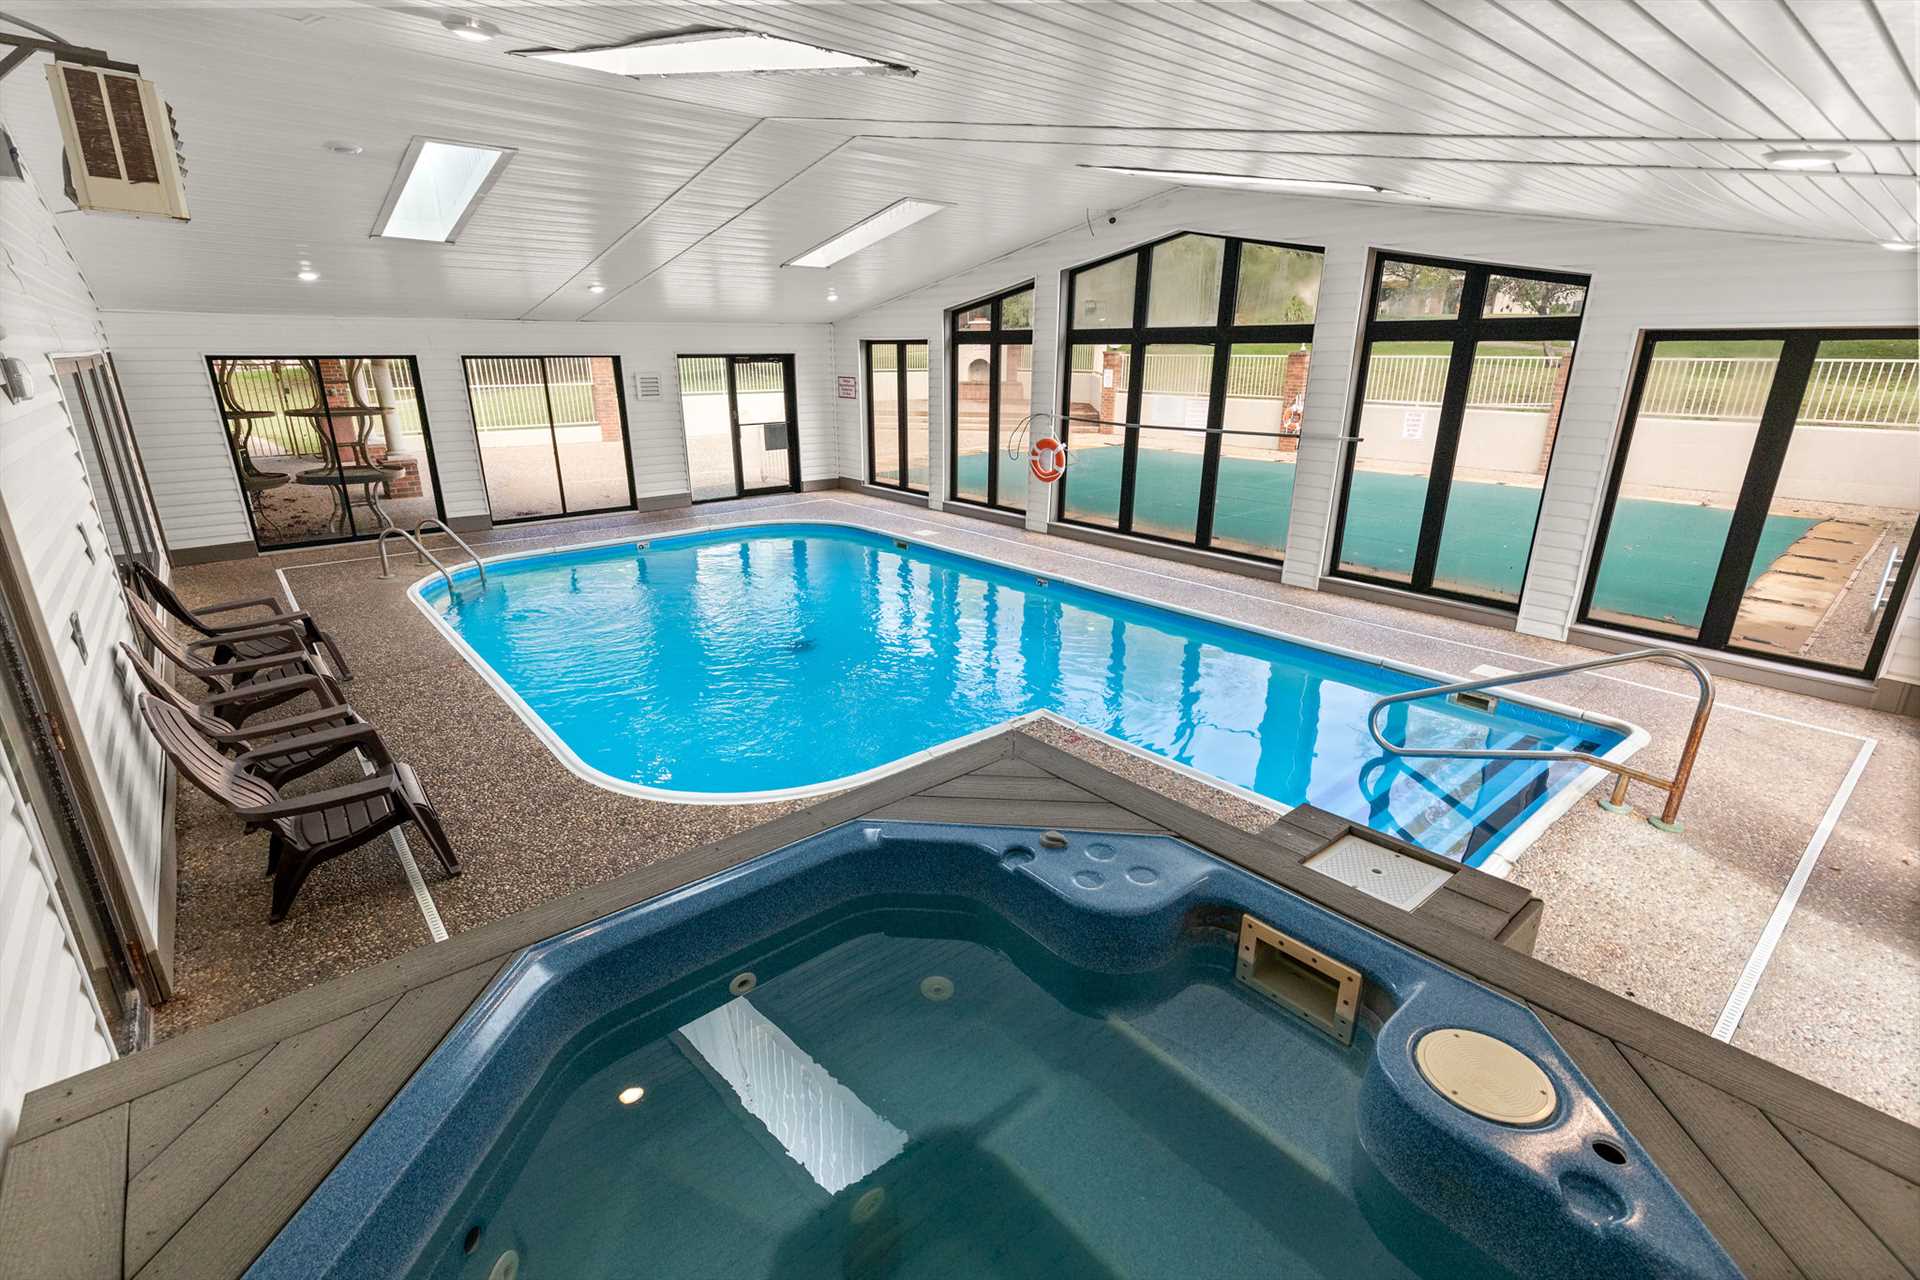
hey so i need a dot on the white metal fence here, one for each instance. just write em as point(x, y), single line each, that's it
point(508, 391)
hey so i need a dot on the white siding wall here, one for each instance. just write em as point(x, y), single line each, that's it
point(49, 1024)
point(1643, 277)
point(162, 362)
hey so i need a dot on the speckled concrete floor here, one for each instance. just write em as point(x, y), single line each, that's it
point(1667, 920)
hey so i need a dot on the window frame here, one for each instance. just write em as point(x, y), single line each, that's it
point(1800, 346)
point(213, 363)
point(994, 338)
point(1465, 332)
point(1220, 337)
point(559, 473)
point(899, 346)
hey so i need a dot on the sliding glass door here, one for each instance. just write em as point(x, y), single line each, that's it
point(553, 435)
point(1186, 384)
point(742, 438)
point(1464, 370)
point(327, 448)
point(1764, 497)
point(897, 415)
point(991, 391)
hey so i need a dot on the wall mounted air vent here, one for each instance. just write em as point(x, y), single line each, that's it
point(122, 149)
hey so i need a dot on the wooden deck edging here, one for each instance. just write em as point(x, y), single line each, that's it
point(186, 1159)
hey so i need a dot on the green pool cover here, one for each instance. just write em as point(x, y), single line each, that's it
point(1663, 554)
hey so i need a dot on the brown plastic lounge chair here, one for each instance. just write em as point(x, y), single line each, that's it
point(248, 638)
point(306, 830)
point(298, 745)
point(254, 684)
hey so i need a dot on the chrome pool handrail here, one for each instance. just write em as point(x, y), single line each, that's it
point(419, 536)
point(386, 570)
point(1675, 787)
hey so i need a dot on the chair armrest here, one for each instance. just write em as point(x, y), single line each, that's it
point(268, 603)
point(293, 658)
point(326, 716)
point(345, 735)
point(324, 690)
point(265, 631)
point(380, 784)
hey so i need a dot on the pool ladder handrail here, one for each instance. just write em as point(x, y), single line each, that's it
point(1675, 787)
point(423, 556)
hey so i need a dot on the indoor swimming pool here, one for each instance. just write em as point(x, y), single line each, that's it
point(778, 660)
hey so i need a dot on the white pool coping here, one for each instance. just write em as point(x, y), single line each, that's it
point(1498, 863)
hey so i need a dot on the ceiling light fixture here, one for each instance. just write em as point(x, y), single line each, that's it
point(893, 219)
point(344, 148)
point(1899, 246)
point(470, 29)
point(718, 52)
point(1248, 181)
point(833, 295)
point(1804, 157)
point(437, 188)
point(596, 287)
point(631, 1094)
point(307, 274)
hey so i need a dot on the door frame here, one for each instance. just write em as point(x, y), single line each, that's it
point(233, 449)
point(789, 386)
point(902, 417)
point(559, 474)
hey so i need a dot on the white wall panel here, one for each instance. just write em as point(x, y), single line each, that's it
point(1643, 277)
point(162, 363)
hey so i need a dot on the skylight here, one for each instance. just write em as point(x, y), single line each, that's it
point(437, 188)
point(713, 53)
point(1251, 181)
point(896, 217)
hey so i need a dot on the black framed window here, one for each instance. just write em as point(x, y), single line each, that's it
point(553, 435)
point(990, 386)
point(740, 416)
point(1464, 367)
point(1186, 382)
point(1764, 495)
point(897, 442)
point(327, 448)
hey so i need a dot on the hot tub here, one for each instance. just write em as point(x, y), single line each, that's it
point(905, 1050)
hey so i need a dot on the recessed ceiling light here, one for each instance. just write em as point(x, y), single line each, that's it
point(833, 295)
point(895, 218)
point(437, 188)
point(309, 275)
point(470, 29)
point(1899, 246)
point(1249, 181)
point(720, 52)
point(1804, 157)
point(596, 288)
point(344, 148)
point(631, 1094)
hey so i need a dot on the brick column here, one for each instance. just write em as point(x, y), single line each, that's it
point(1293, 392)
point(1109, 388)
point(606, 400)
point(1560, 373)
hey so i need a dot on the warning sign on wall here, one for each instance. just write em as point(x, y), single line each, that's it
point(849, 387)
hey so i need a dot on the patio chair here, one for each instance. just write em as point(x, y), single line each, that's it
point(304, 831)
point(252, 684)
point(238, 636)
point(299, 740)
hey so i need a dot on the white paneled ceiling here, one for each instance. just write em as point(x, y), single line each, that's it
point(684, 196)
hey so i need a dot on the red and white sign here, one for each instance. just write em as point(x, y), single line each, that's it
point(849, 387)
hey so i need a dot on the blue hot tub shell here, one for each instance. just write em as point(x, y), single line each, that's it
point(1541, 1199)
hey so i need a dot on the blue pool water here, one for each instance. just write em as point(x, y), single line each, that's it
point(967, 1054)
point(779, 657)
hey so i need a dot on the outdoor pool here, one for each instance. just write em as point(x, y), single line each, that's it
point(900, 1051)
point(780, 660)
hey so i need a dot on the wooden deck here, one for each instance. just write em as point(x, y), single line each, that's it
point(186, 1160)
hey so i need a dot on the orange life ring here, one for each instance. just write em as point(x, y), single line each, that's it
point(1048, 458)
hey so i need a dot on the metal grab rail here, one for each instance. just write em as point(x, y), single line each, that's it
point(394, 530)
point(1675, 787)
point(420, 533)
